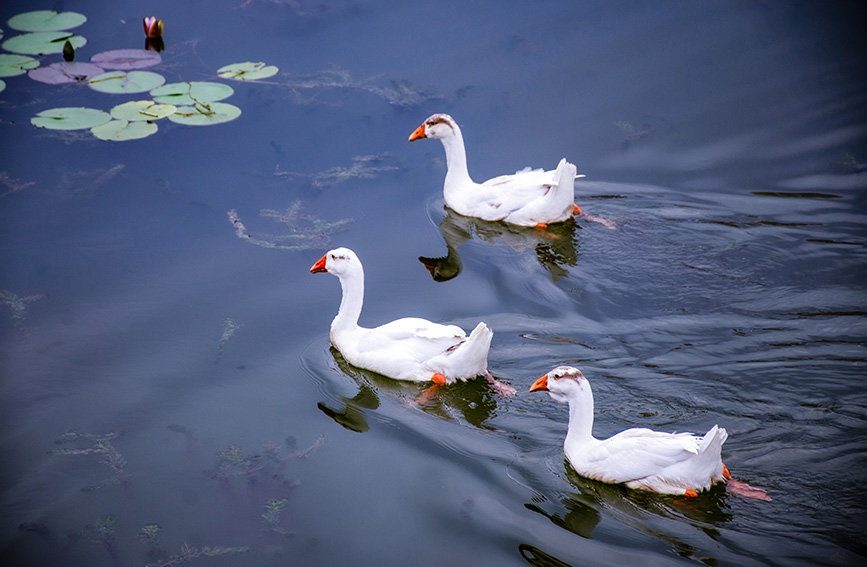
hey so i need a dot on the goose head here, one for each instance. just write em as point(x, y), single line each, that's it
point(437, 127)
point(563, 383)
point(339, 262)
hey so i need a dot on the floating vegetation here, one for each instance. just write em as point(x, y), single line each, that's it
point(13, 65)
point(123, 130)
point(363, 167)
point(100, 445)
point(74, 118)
point(15, 303)
point(205, 114)
point(63, 73)
point(191, 92)
point(142, 110)
point(247, 71)
point(42, 43)
point(122, 82)
point(46, 20)
point(126, 59)
point(2, 85)
point(305, 231)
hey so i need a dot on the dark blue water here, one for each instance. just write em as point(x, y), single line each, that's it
point(211, 421)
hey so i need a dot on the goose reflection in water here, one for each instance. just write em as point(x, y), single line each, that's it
point(582, 510)
point(556, 246)
point(473, 400)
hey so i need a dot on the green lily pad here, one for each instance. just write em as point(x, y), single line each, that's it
point(42, 43)
point(117, 82)
point(126, 59)
point(191, 92)
point(142, 110)
point(46, 20)
point(64, 73)
point(247, 71)
point(12, 65)
point(2, 85)
point(205, 115)
point(70, 118)
point(121, 130)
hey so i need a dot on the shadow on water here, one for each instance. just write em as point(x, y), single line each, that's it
point(472, 401)
point(556, 247)
point(583, 508)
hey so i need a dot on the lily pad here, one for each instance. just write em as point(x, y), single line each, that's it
point(46, 20)
point(247, 71)
point(2, 85)
point(205, 115)
point(12, 65)
point(42, 43)
point(191, 92)
point(63, 73)
point(142, 110)
point(126, 59)
point(70, 118)
point(121, 130)
point(117, 82)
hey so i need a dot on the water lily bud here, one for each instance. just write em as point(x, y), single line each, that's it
point(153, 27)
point(68, 52)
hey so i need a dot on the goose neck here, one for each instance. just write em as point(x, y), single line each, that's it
point(580, 419)
point(350, 304)
point(456, 161)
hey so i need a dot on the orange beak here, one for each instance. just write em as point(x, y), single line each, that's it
point(419, 133)
point(540, 384)
point(319, 266)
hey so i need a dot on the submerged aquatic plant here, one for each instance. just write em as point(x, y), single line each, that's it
point(363, 167)
point(233, 463)
point(305, 231)
point(271, 516)
point(149, 533)
point(18, 304)
point(229, 328)
point(101, 445)
point(399, 93)
point(188, 553)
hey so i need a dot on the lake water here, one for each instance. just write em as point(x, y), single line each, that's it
point(168, 388)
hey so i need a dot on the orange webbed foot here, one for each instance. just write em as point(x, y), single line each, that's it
point(439, 380)
point(690, 493)
point(576, 210)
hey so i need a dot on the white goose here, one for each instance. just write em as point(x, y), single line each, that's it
point(668, 463)
point(406, 349)
point(526, 198)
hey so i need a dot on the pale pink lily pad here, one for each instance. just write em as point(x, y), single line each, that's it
point(126, 59)
point(64, 73)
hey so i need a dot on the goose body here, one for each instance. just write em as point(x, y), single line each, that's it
point(668, 463)
point(526, 198)
point(405, 349)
